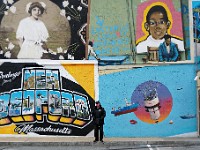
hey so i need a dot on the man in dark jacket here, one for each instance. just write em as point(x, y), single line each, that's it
point(99, 114)
point(168, 50)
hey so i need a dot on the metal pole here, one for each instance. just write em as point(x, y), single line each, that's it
point(131, 27)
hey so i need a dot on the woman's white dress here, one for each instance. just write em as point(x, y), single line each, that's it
point(33, 32)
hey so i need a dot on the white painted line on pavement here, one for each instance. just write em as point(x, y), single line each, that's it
point(167, 148)
point(149, 146)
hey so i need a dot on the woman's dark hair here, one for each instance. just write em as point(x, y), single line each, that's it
point(90, 43)
point(157, 8)
point(36, 4)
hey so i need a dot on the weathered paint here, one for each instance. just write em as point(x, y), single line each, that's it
point(118, 36)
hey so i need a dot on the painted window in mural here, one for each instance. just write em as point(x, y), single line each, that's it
point(47, 29)
point(42, 99)
point(136, 34)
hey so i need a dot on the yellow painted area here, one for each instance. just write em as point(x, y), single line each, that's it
point(45, 109)
point(28, 118)
point(79, 122)
point(17, 119)
point(66, 120)
point(39, 117)
point(8, 129)
point(84, 75)
point(144, 20)
point(4, 121)
point(53, 118)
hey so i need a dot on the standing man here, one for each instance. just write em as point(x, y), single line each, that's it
point(168, 50)
point(99, 114)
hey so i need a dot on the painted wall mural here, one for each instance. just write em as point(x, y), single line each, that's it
point(196, 10)
point(196, 26)
point(47, 29)
point(111, 37)
point(155, 101)
point(159, 19)
point(150, 102)
point(139, 43)
point(45, 99)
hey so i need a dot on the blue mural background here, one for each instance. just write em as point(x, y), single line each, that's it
point(117, 86)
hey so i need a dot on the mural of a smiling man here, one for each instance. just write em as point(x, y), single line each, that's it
point(157, 24)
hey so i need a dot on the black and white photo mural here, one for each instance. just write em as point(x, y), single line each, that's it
point(44, 29)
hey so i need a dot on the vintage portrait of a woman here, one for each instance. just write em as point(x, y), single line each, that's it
point(43, 29)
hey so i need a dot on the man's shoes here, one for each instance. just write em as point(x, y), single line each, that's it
point(102, 141)
point(95, 141)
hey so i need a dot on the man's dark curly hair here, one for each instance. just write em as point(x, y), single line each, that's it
point(157, 8)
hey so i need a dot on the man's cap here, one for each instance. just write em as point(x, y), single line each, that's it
point(97, 102)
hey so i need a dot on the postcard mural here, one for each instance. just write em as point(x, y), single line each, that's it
point(136, 34)
point(46, 100)
point(47, 29)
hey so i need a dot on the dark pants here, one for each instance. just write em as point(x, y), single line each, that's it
point(96, 132)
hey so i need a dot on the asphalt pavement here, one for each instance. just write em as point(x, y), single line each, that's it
point(88, 141)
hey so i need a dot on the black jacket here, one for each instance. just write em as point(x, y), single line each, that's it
point(99, 115)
